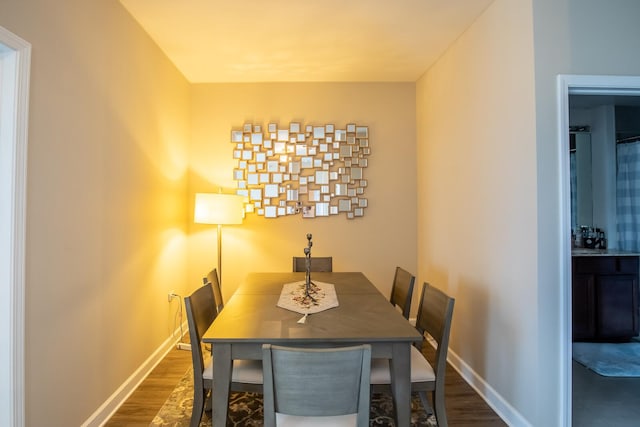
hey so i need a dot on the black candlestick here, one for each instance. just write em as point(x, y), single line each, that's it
point(307, 261)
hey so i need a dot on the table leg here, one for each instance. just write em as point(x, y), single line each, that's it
point(222, 365)
point(400, 365)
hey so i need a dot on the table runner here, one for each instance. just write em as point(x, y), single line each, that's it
point(293, 297)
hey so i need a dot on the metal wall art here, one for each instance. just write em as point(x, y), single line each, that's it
point(314, 170)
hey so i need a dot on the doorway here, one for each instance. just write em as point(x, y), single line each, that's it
point(15, 58)
point(592, 86)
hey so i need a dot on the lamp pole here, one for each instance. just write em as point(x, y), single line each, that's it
point(219, 209)
point(220, 254)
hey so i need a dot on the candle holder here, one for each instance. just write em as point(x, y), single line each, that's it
point(309, 286)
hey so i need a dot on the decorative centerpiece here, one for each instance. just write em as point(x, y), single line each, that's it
point(307, 297)
point(310, 288)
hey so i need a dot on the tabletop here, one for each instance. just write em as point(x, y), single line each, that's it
point(251, 314)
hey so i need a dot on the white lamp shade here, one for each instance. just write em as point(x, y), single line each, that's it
point(212, 208)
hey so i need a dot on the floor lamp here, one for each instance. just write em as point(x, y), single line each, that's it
point(219, 209)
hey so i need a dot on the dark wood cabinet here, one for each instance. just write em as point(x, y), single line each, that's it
point(604, 297)
point(583, 307)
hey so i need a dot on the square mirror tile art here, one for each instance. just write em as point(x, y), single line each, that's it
point(316, 171)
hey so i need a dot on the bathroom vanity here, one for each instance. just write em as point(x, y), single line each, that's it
point(605, 294)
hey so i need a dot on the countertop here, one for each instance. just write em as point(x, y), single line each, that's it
point(601, 252)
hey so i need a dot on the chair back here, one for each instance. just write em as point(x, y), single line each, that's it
point(402, 290)
point(316, 382)
point(201, 312)
point(434, 317)
point(212, 278)
point(318, 264)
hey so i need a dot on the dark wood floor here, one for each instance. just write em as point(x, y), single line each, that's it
point(464, 405)
point(144, 403)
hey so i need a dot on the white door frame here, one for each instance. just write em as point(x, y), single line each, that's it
point(576, 85)
point(15, 63)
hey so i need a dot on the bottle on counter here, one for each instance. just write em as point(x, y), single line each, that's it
point(588, 237)
point(578, 241)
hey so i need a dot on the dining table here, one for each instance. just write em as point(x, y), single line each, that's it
point(252, 317)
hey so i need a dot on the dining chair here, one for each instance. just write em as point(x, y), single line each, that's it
point(434, 318)
point(246, 374)
point(402, 290)
point(316, 386)
point(212, 278)
point(318, 264)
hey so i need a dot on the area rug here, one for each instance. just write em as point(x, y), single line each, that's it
point(245, 409)
point(609, 359)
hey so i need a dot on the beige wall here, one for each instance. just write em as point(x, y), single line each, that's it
point(111, 180)
point(374, 244)
point(107, 205)
point(477, 201)
point(110, 192)
point(571, 37)
point(491, 237)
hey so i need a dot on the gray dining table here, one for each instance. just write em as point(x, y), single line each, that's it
point(252, 318)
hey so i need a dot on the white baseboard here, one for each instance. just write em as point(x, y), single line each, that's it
point(111, 405)
point(501, 407)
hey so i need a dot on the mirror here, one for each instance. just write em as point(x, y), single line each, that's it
point(286, 170)
point(581, 181)
point(607, 119)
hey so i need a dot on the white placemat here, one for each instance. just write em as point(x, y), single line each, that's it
point(293, 297)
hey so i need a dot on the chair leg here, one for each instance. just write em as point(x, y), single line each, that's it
point(425, 402)
point(208, 404)
point(198, 407)
point(441, 412)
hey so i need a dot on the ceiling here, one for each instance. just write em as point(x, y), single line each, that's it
point(304, 40)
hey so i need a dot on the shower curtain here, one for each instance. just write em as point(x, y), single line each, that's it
point(628, 195)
